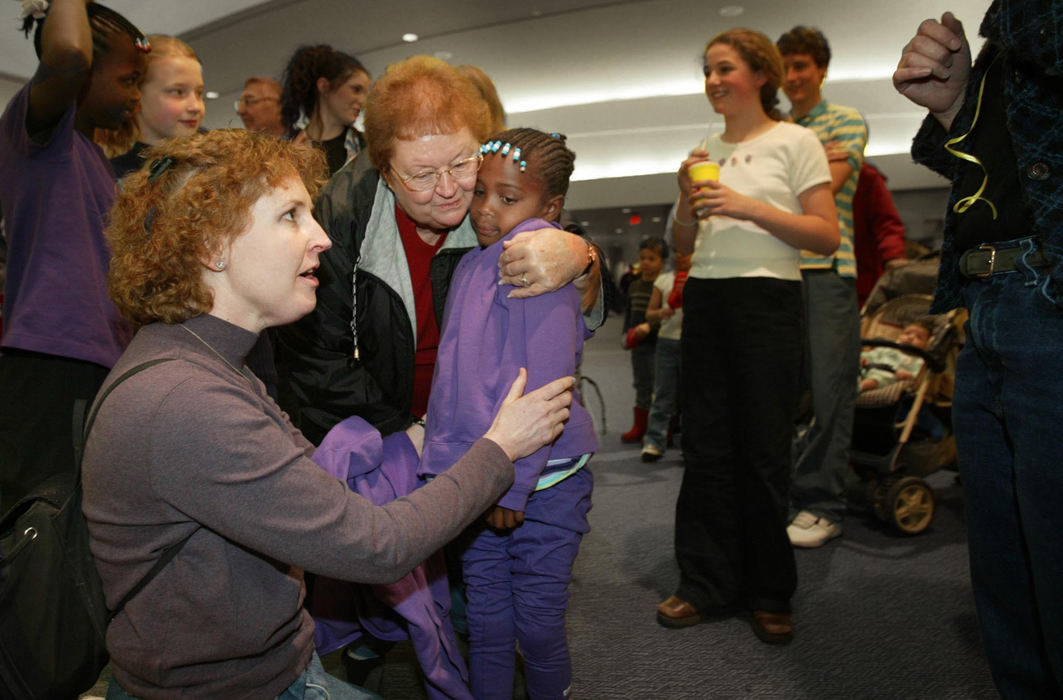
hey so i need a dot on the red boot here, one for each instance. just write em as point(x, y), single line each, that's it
point(639, 428)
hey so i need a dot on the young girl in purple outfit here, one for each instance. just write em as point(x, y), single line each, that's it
point(61, 332)
point(517, 562)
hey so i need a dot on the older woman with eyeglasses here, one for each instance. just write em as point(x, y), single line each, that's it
point(398, 231)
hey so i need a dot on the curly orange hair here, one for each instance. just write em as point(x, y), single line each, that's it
point(161, 232)
point(421, 96)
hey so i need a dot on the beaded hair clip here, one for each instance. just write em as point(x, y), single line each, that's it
point(142, 44)
point(503, 149)
point(495, 146)
point(155, 171)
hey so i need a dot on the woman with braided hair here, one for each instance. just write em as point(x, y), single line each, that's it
point(324, 91)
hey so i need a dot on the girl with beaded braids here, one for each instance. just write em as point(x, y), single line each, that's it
point(61, 332)
point(517, 561)
point(324, 91)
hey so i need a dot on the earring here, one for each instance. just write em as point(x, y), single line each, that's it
point(220, 265)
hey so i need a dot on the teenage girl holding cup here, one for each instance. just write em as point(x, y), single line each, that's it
point(750, 199)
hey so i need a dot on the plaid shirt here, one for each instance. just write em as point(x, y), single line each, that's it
point(1028, 37)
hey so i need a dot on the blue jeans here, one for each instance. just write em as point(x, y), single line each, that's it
point(642, 370)
point(832, 359)
point(666, 383)
point(315, 683)
point(1007, 416)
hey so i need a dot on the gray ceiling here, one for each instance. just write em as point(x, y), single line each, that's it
point(621, 79)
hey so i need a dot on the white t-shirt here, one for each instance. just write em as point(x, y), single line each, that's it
point(670, 327)
point(774, 167)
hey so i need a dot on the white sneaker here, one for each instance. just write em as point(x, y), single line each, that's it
point(651, 453)
point(809, 530)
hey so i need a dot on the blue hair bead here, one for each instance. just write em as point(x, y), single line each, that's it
point(516, 153)
point(523, 165)
point(495, 146)
point(505, 149)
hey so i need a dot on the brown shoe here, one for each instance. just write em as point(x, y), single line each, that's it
point(773, 627)
point(676, 612)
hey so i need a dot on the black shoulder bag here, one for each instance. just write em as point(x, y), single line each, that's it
point(53, 618)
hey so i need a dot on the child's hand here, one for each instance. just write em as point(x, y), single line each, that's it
point(904, 374)
point(501, 518)
point(642, 330)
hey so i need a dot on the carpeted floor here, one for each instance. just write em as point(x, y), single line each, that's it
point(877, 615)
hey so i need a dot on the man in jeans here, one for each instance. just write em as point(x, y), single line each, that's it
point(832, 318)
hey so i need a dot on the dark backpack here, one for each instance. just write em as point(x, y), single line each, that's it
point(52, 612)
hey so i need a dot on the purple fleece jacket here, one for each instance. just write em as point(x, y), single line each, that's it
point(486, 339)
point(417, 606)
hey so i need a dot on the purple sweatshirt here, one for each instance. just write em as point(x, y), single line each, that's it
point(417, 606)
point(486, 339)
point(55, 197)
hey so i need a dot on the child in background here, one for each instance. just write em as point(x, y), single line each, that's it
point(61, 331)
point(667, 370)
point(882, 366)
point(518, 563)
point(641, 337)
point(171, 104)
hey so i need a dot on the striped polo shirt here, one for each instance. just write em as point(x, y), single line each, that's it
point(833, 122)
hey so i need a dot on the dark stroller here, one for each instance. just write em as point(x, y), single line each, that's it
point(902, 432)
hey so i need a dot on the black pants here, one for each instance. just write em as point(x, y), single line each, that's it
point(37, 395)
point(741, 357)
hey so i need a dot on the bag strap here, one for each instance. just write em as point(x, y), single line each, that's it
point(79, 449)
point(107, 392)
point(167, 554)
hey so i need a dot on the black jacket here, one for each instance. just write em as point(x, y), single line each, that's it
point(322, 381)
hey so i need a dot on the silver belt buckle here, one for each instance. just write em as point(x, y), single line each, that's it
point(992, 260)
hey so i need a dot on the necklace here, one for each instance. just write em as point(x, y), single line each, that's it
point(223, 358)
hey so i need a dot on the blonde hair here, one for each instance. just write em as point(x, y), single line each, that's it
point(421, 96)
point(116, 142)
point(760, 54)
point(487, 90)
point(168, 220)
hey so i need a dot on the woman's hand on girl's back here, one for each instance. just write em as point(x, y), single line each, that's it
point(526, 423)
point(547, 258)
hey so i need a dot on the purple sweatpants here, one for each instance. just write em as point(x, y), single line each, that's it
point(517, 588)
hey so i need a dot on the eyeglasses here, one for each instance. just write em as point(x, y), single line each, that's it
point(248, 101)
point(427, 179)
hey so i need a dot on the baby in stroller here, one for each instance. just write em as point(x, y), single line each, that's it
point(881, 366)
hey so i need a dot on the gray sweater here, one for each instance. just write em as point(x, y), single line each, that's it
point(191, 446)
